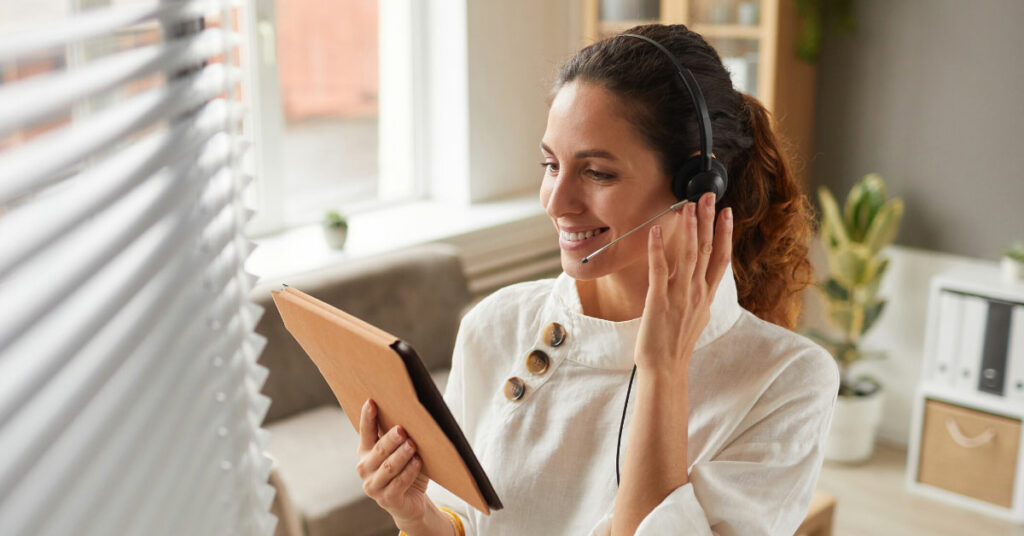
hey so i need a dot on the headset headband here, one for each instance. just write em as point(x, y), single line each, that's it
point(703, 119)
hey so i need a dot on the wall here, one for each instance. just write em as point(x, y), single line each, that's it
point(492, 67)
point(929, 94)
point(516, 49)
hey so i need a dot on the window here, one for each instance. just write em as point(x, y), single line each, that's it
point(337, 108)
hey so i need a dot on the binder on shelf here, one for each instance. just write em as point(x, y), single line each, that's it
point(361, 361)
point(972, 337)
point(995, 349)
point(948, 340)
point(1015, 358)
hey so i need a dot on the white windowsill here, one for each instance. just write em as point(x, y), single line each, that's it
point(304, 249)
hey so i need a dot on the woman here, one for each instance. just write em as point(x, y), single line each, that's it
point(729, 408)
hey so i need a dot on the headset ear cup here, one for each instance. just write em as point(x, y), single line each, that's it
point(705, 181)
point(709, 181)
point(681, 180)
point(691, 183)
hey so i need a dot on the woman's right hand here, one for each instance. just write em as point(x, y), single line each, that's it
point(390, 469)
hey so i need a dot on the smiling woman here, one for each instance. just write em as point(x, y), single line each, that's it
point(599, 103)
point(729, 411)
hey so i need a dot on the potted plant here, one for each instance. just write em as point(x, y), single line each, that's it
point(335, 229)
point(853, 240)
point(1013, 263)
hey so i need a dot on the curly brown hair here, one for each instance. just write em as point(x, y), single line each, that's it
point(773, 218)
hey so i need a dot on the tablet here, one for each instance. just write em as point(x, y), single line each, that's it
point(359, 361)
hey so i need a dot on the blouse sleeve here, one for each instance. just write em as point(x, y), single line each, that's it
point(454, 395)
point(762, 481)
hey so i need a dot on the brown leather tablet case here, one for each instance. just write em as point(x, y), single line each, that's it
point(361, 361)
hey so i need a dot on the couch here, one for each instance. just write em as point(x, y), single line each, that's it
point(418, 295)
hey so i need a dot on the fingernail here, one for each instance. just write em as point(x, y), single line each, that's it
point(691, 210)
point(657, 231)
point(728, 214)
point(711, 199)
point(370, 406)
point(399, 431)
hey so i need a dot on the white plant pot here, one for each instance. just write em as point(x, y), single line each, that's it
point(851, 439)
point(335, 236)
point(1013, 270)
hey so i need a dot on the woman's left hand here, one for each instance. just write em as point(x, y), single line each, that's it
point(682, 284)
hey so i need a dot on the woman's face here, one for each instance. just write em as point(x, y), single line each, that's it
point(600, 176)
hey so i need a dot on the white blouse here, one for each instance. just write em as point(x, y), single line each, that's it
point(761, 402)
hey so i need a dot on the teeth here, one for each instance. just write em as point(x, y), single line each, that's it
point(575, 237)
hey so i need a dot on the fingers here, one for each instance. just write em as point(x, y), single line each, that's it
point(367, 427)
point(722, 250)
point(370, 461)
point(391, 468)
point(688, 251)
point(406, 478)
point(656, 261)
point(705, 235)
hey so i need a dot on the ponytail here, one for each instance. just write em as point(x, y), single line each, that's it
point(773, 224)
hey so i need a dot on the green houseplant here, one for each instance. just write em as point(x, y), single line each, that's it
point(335, 228)
point(853, 239)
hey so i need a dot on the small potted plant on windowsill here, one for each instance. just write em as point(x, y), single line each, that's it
point(853, 240)
point(1013, 263)
point(335, 229)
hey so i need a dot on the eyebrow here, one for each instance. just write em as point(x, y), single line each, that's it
point(590, 153)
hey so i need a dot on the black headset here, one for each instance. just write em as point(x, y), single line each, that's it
point(701, 173)
point(698, 175)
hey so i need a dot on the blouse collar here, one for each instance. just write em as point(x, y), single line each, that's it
point(607, 344)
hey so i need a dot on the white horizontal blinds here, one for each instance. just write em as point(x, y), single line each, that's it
point(129, 389)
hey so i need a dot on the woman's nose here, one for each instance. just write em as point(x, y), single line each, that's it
point(564, 197)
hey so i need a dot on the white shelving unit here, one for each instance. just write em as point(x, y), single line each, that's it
point(966, 444)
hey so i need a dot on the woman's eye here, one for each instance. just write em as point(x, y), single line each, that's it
point(550, 167)
point(600, 176)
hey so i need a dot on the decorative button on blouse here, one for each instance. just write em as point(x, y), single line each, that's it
point(555, 334)
point(537, 362)
point(514, 388)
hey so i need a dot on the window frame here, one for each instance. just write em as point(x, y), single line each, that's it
point(402, 118)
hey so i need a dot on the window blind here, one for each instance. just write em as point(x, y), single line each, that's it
point(129, 388)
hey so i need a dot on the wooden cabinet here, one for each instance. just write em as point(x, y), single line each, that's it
point(754, 38)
